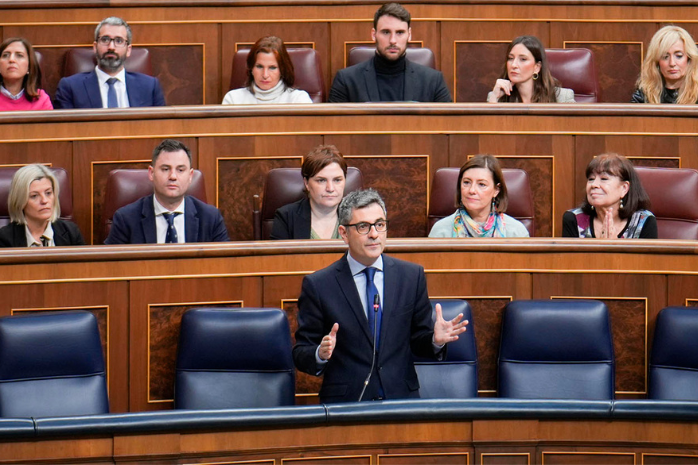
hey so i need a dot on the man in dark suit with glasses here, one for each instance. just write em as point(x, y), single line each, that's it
point(361, 318)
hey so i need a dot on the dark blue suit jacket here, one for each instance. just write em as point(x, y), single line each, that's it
point(82, 91)
point(330, 296)
point(358, 83)
point(135, 223)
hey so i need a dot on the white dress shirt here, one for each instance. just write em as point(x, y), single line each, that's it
point(357, 271)
point(161, 225)
point(119, 87)
point(48, 234)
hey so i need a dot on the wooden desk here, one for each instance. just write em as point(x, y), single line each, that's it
point(192, 42)
point(139, 293)
point(397, 147)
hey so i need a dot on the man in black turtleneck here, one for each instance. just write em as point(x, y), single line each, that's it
point(389, 76)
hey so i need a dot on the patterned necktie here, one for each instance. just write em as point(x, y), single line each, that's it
point(112, 102)
point(374, 318)
point(45, 241)
point(171, 236)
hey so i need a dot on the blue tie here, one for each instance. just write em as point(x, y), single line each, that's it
point(171, 236)
point(374, 318)
point(112, 102)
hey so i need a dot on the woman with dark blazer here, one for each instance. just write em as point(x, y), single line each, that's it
point(34, 210)
point(315, 216)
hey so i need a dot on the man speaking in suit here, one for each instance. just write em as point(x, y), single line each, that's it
point(389, 76)
point(168, 215)
point(362, 295)
point(109, 85)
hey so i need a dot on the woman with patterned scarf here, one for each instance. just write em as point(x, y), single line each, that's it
point(481, 196)
point(616, 205)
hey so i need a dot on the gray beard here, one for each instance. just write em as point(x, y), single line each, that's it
point(110, 63)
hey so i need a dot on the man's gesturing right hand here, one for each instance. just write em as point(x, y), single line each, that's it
point(328, 343)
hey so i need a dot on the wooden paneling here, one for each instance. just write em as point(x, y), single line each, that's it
point(140, 292)
point(107, 300)
point(398, 148)
point(192, 45)
point(157, 307)
point(633, 302)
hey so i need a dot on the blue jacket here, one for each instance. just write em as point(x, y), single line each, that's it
point(330, 296)
point(82, 91)
point(135, 223)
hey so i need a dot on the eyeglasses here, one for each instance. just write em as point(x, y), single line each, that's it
point(364, 228)
point(118, 41)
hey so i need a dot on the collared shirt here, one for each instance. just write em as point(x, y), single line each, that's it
point(48, 234)
point(119, 87)
point(9, 94)
point(161, 223)
point(357, 271)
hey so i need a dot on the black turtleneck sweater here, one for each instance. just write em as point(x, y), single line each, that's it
point(390, 77)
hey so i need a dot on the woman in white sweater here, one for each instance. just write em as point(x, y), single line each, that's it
point(270, 76)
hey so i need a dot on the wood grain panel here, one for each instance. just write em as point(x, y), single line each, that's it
point(398, 178)
point(669, 459)
point(164, 326)
point(156, 308)
point(186, 59)
point(617, 47)
point(180, 69)
point(239, 179)
point(424, 458)
point(239, 166)
point(107, 300)
point(494, 458)
point(329, 460)
point(631, 319)
point(473, 87)
point(583, 458)
point(618, 66)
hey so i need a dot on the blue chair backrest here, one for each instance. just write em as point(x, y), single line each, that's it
point(234, 358)
point(674, 360)
point(456, 376)
point(556, 349)
point(51, 364)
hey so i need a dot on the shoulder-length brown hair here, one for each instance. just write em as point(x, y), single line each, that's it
point(32, 81)
point(274, 45)
point(617, 165)
point(490, 162)
point(651, 81)
point(544, 86)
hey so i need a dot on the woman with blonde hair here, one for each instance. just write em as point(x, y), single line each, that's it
point(35, 210)
point(670, 71)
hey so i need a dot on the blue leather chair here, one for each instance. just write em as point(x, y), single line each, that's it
point(556, 349)
point(674, 359)
point(234, 358)
point(51, 364)
point(456, 376)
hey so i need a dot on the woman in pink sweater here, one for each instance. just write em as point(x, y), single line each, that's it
point(20, 78)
